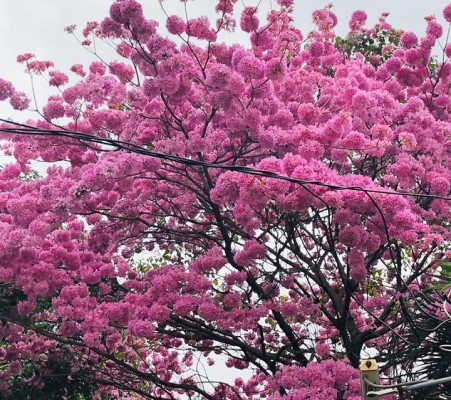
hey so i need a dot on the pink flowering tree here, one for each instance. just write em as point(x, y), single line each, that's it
point(276, 211)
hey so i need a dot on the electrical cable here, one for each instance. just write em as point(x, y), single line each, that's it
point(22, 129)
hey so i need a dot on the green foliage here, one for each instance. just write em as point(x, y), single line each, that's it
point(370, 45)
point(425, 336)
point(443, 277)
point(30, 176)
point(58, 382)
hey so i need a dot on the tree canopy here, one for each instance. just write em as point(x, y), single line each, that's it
point(281, 211)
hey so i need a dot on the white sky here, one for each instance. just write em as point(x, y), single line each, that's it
point(37, 26)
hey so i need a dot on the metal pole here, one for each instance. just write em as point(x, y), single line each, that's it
point(429, 383)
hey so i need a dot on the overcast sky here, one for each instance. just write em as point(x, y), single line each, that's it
point(37, 26)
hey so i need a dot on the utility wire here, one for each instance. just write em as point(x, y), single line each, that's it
point(22, 129)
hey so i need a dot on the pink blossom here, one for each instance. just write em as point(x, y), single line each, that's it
point(209, 311)
point(393, 64)
point(412, 56)
point(448, 50)
point(150, 88)
point(22, 58)
point(358, 19)
point(26, 307)
point(97, 67)
point(124, 72)
point(15, 367)
point(53, 109)
point(356, 261)
point(275, 69)
point(159, 313)
point(232, 300)
point(289, 309)
point(404, 219)
point(218, 76)
point(407, 76)
point(175, 25)
point(224, 6)
point(110, 28)
point(324, 19)
point(440, 185)
point(447, 13)
point(434, 29)
point(333, 375)
point(316, 49)
point(38, 67)
point(285, 3)
point(409, 40)
point(351, 236)
point(308, 114)
point(235, 278)
point(251, 67)
point(6, 89)
point(262, 39)
point(322, 349)
point(58, 78)
point(354, 140)
point(408, 140)
point(168, 84)
point(78, 69)
point(428, 42)
point(249, 21)
point(282, 118)
point(200, 29)
point(126, 11)
point(124, 49)
point(90, 26)
point(141, 329)
point(19, 101)
point(252, 251)
point(184, 306)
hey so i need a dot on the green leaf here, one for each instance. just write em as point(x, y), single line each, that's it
point(446, 266)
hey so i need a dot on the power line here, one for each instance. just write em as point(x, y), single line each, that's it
point(23, 129)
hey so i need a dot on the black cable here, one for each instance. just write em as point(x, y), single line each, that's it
point(23, 129)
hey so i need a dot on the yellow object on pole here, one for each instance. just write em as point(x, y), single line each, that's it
point(369, 372)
